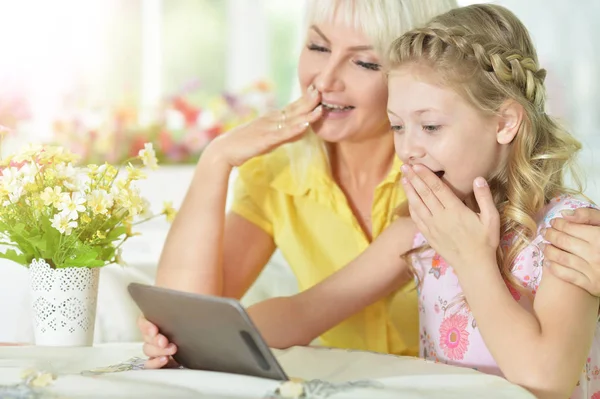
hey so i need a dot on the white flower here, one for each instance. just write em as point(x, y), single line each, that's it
point(146, 209)
point(27, 174)
point(119, 257)
point(16, 194)
point(148, 156)
point(10, 179)
point(62, 223)
point(99, 201)
point(53, 196)
point(72, 205)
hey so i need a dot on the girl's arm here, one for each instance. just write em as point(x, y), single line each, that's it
point(543, 350)
point(378, 271)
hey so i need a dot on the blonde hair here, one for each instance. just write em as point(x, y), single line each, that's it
point(486, 54)
point(381, 21)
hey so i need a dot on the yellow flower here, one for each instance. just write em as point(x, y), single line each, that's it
point(53, 196)
point(99, 201)
point(169, 211)
point(85, 218)
point(42, 380)
point(148, 156)
point(134, 173)
point(100, 235)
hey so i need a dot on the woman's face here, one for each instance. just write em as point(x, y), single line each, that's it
point(342, 64)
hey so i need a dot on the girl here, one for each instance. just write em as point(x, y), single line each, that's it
point(466, 100)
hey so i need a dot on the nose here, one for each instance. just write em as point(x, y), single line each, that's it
point(409, 147)
point(330, 77)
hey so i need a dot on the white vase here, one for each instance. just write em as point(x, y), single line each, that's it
point(63, 304)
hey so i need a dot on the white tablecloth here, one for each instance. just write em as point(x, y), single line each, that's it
point(82, 373)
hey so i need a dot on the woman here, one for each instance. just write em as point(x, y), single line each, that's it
point(320, 200)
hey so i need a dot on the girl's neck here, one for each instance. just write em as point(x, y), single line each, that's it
point(362, 163)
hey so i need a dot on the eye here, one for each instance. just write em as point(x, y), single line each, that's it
point(397, 128)
point(431, 128)
point(368, 65)
point(320, 49)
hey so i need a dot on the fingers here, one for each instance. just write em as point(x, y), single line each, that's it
point(442, 192)
point(304, 104)
point(488, 211)
point(568, 243)
point(152, 350)
point(555, 255)
point(588, 216)
point(146, 327)
point(571, 276)
point(428, 203)
point(587, 233)
point(295, 127)
point(417, 207)
point(156, 363)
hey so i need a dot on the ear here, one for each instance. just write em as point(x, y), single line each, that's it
point(509, 121)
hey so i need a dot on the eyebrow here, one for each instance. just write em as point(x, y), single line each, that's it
point(353, 48)
point(418, 112)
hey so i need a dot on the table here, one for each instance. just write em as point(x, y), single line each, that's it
point(83, 373)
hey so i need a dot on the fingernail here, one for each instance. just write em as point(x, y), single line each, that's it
point(568, 212)
point(547, 263)
point(481, 182)
point(404, 180)
point(404, 168)
point(163, 359)
point(317, 110)
point(303, 125)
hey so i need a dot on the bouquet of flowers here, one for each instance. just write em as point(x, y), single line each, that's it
point(67, 215)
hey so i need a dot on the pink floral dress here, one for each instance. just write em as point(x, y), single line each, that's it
point(448, 331)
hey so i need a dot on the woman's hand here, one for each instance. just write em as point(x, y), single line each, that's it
point(268, 132)
point(156, 346)
point(574, 253)
point(461, 236)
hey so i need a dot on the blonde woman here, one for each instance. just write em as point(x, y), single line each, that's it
point(322, 201)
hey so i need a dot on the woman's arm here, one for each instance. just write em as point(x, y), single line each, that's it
point(544, 350)
point(378, 271)
point(204, 252)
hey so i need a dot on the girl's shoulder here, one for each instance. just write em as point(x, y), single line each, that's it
point(559, 204)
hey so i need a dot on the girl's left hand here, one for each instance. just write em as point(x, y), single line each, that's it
point(456, 233)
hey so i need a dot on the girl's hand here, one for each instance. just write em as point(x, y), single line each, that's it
point(268, 132)
point(156, 346)
point(459, 235)
point(574, 253)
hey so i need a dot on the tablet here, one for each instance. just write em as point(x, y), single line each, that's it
point(211, 333)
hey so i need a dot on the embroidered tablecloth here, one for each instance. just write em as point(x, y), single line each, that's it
point(115, 371)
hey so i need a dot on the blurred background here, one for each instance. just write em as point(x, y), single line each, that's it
point(104, 76)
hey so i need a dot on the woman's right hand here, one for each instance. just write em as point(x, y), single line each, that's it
point(156, 346)
point(268, 132)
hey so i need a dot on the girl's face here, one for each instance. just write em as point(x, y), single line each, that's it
point(341, 63)
point(434, 126)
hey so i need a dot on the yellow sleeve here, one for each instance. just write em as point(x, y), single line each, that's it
point(251, 195)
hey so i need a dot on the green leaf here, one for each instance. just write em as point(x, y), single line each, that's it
point(82, 256)
point(116, 233)
point(13, 255)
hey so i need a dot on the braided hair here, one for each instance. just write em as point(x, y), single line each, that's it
point(486, 54)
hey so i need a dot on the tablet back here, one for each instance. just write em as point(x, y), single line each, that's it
point(211, 333)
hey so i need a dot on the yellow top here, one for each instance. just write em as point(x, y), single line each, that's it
point(317, 233)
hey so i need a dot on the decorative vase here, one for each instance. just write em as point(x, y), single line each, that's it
point(63, 304)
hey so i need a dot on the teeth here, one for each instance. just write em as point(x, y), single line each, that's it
point(339, 107)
